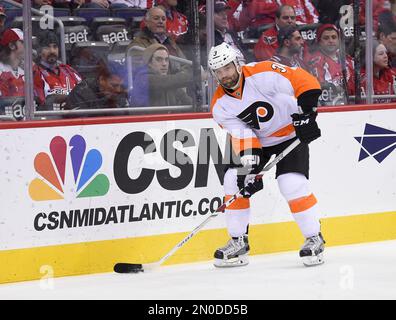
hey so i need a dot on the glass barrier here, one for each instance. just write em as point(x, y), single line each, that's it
point(123, 58)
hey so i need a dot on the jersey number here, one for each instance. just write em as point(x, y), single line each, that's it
point(278, 66)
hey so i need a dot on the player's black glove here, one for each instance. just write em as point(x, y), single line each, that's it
point(306, 127)
point(251, 187)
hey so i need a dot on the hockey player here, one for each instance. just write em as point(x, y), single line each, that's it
point(265, 106)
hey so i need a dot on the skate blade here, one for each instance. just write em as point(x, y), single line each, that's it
point(311, 261)
point(230, 263)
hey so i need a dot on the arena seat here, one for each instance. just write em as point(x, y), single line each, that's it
point(85, 56)
point(11, 15)
point(112, 33)
point(105, 21)
point(129, 14)
point(76, 34)
point(90, 13)
point(73, 21)
point(18, 23)
point(61, 12)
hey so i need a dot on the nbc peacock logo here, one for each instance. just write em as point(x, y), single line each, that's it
point(52, 168)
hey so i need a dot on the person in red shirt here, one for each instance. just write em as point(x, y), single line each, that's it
point(11, 63)
point(384, 78)
point(176, 22)
point(266, 46)
point(387, 36)
point(255, 13)
point(378, 7)
point(305, 11)
point(326, 62)
point(291, 47)
point(50, 76)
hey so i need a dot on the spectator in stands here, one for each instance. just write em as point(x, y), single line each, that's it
point(291, 47)
point(11, 63)
point(378, 7)
point(268, 43)
point(3, 18)
point(105, 91)
point(176, 22)
point(255, 13)
point(326, 62)
point(155, 32)
point(52, 78)
point(222, 30)
point(154, 85)
point(306, 12)
point(384, 78)
point(387, 36)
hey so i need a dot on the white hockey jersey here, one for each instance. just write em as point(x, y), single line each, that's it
point(258, 113)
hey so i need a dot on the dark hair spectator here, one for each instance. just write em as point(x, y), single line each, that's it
point(387, 36)
point(223, 33)
point(267, 44)
point(326, 63)
point(384, 78)
point(291, 47)
point(51, 77)
point(153, 85)
point(108, 90)
point(378, 8)
point(305, 10)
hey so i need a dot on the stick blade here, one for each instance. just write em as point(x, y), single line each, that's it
point(128, 268)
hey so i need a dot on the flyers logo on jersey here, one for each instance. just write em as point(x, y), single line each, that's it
point(257, 113)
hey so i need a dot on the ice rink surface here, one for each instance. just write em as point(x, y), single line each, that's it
point(363, 271)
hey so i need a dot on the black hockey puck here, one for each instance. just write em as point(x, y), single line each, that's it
point(128, 268)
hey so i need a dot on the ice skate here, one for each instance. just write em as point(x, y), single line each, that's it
point(312, 250)
point(233, 254)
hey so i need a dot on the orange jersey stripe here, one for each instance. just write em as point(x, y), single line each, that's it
point(238, 204)
point(302, 204)
point(285, 131)
point(239, 145)
point(300, 79)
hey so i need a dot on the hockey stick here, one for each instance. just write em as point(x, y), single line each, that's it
point(135, 268)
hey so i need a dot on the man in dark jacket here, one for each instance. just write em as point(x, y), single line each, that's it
point(105, 91)
point(223, 32)
point(154, 86)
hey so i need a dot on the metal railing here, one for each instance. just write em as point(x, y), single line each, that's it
point(115, 111)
